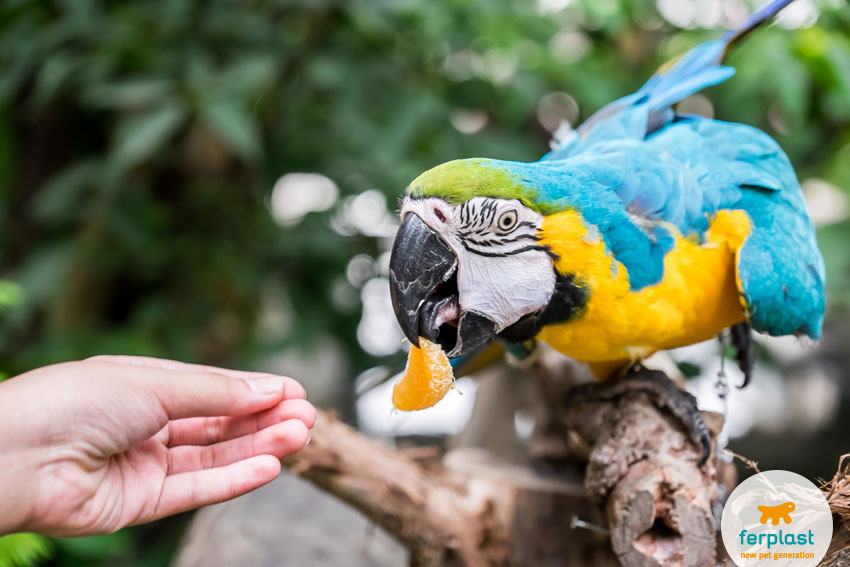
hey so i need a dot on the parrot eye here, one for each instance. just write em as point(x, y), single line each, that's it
point(507, 221)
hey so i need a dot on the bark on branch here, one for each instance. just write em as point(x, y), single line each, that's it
point(644, 470)
point(440, 522)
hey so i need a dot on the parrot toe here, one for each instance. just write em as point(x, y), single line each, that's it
point(742, 341)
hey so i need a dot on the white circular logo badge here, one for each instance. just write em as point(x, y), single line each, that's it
point(776, 518)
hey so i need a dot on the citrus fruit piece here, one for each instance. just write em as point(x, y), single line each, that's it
point(426, 379)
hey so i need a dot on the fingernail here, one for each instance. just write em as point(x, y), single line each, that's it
point(267, 386)
point(309, 436)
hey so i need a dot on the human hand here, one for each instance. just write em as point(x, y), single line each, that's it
point(90, 447)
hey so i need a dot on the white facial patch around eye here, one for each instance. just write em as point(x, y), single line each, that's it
point(503, 273)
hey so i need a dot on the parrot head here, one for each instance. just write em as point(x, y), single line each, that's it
point(468, 263)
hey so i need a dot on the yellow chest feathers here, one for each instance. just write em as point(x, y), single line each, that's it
point(696, 299)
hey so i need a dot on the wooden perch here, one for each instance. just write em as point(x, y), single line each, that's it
point(644, 470)
point(475, 510)
point(439, 523)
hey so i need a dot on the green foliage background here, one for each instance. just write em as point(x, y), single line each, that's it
point(139, 142)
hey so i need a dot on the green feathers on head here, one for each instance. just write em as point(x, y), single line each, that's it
point(460, 180)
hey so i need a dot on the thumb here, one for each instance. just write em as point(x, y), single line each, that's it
point(200, 391)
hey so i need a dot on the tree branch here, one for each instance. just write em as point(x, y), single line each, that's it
point(437, 520)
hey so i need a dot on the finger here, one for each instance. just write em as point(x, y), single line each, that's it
point(279, 440)
point(293, 388)
point(187, 491)
point(193, 394)
point(206, 430)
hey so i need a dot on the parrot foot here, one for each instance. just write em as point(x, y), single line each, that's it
point(662, 391)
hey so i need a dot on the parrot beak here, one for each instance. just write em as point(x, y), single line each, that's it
point(424, 293)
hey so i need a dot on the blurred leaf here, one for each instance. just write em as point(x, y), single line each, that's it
point(235, 125)
point(838, 55)
point(97, 547)
point(22, 550)
point(11, 294)
point(249, 76)
point(833, 242)
point(836, 165)
point(791, 82)
point(130, 94)
point(17, 64)
point(62, 197)
point(689, 369)
point(45, 271)
point(140, 136)
point(54, 75)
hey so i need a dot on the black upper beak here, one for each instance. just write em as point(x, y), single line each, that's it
point(419, 263)
point(423, 287)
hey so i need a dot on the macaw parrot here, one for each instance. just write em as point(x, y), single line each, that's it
point(644, 230)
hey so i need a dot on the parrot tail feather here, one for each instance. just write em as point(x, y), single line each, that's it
point(762, 15)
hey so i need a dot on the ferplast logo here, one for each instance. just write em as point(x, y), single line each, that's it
point(776, 518)
point(776, 513)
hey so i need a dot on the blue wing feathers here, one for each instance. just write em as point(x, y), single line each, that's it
point(780, 268)
point(694, 71)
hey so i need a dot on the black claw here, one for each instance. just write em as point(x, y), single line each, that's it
point(705, 441)
point(663, 392)
point(742, 340)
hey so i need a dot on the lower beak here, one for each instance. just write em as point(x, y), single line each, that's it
point(424, 293)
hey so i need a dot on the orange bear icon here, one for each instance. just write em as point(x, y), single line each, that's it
point(776, 513)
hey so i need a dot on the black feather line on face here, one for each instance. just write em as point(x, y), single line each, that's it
point(501, 241)
point(474, 217)
point(484, 243)
point(513, 239)
point(508, 253)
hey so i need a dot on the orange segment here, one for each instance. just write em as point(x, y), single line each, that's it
point(426, 379)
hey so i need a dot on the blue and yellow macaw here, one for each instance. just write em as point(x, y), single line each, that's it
point(645, 230)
